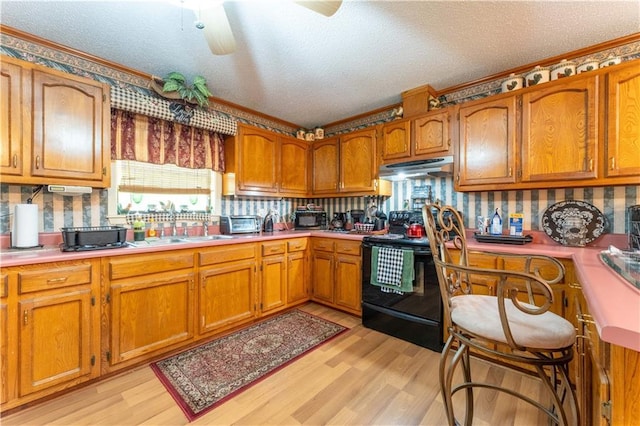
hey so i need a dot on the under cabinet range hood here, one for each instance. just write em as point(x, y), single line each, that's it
point(416, 169)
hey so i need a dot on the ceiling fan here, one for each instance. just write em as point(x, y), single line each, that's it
point(215, 25)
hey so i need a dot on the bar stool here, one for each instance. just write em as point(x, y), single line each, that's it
point(512, 328)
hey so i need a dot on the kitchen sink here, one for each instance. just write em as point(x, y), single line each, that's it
point(210, 238)
point(159, 242)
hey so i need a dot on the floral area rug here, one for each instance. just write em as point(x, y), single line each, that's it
point(203, 377)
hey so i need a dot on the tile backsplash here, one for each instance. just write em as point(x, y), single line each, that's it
point(57, 211)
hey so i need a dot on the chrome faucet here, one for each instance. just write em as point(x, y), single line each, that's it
point(185, 229)
point(174, 229)
point(205, 228)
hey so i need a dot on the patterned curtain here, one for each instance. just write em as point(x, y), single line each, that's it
point(153, 140)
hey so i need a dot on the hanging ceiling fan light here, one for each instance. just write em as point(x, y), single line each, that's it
point(212, 19)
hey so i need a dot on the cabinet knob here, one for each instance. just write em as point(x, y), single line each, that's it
point(613, 163)
point(37, 162)
point(15, 161)
point(591, 164)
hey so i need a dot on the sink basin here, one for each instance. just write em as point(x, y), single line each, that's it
point(160, 241)
point(210, 238)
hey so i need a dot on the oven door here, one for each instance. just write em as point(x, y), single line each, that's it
point(423, 302)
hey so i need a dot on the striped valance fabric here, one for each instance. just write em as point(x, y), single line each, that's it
point(128, 100)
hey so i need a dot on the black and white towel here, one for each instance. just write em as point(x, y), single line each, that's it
point(390, 263)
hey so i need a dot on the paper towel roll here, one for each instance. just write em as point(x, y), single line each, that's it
point(25, 226)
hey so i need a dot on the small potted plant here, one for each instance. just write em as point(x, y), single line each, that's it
point(175, 87)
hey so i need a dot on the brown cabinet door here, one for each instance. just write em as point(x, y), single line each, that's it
point(623, 122)
point(56, 340)
point(13, 132)
point(297, 278)
point(227, 295)
point(5, 329)
point(348, 286)
point(487, 153)
point(323, 277)
point(325, 166)
point(68, 128)
point(274, 285)
point(396, 140)
point(257, 161)
point(431, 133)
point(294, 169)
point(358, 161)
point(559, 131)
point(150, 313)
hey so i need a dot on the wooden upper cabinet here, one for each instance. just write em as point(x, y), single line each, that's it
point(12, 133)
point(622, 152)
point(396, 140)
point(431, 133)
point(325, 159)
point(257, 160)
point(487, 153)
point(294, 166)
point(560, 131)
point(358, 161)
point(54, 127)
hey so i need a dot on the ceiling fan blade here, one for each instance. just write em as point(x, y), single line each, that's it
point(325, 7)
point(217, 30)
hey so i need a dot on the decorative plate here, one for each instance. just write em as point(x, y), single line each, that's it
point(573, 223)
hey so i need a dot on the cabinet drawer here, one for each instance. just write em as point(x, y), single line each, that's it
point(149, 264)
point(323, 245)
point(297, 244)
point(54, 277)
point(269, 249)
point(227, 254)
point(348, 247)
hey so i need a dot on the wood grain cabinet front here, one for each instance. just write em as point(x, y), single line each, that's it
point(336, 274)
point(266, 163)
point(576, 131)
point(50, 328)
point(227, 293)
point(150, 303)
point(55, 127)
point(283, 274)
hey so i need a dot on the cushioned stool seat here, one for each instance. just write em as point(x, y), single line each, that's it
point(478, 315)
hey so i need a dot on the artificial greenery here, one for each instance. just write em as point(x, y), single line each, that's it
point(198, 91)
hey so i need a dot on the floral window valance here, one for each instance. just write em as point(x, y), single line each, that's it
point(152, 140)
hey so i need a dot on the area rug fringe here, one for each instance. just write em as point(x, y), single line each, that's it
point(204, 377)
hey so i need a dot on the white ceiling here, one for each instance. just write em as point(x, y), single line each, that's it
point(308, 69)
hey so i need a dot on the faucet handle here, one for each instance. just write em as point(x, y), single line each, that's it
point(185, 229)
point(205, 228)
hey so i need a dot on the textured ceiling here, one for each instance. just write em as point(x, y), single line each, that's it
point(311, 70)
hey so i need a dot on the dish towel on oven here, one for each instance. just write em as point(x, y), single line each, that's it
point(392, 269)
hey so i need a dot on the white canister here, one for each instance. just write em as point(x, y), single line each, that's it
point(538, 75)
point(514, 82)
point(300, 134)
point(563, 69)
point(588, 65)
point(611, 60)
point(318, 133)
point(310, 136)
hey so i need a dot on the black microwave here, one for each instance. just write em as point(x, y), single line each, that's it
point(310, 219)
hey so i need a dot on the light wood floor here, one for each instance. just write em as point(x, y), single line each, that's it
point(360, 378)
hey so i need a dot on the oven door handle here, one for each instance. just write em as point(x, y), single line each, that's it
point(399, 314)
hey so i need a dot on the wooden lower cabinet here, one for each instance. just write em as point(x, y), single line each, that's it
point(227, 287)
point(337, 274)
point(50, 329)
point(150, 301)
point(283, 274)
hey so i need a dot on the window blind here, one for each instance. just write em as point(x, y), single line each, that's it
point(139, 177)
